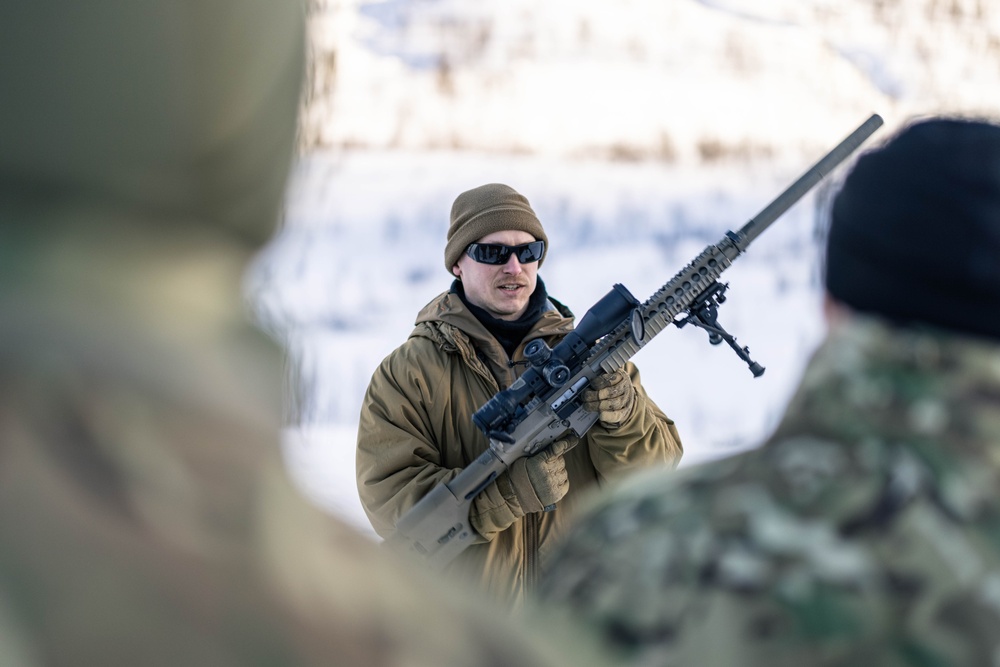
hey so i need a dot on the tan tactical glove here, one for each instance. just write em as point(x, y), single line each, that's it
point(541, 480)
point(530, 485)
point(612, 396)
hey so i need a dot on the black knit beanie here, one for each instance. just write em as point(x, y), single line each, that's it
point(485, 210)
point(915, 230)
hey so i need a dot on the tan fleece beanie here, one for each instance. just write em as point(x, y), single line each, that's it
point(487, 209)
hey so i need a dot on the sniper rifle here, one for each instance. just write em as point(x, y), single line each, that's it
point(544, 403)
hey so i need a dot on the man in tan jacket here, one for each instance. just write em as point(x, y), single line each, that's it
point(416, 429)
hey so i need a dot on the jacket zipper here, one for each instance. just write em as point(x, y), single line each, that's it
point(530, 522)
point(530, 553)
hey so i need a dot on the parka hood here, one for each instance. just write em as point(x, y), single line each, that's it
point(446, 315)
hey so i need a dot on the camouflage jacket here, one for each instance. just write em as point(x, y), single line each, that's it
point(865, 531)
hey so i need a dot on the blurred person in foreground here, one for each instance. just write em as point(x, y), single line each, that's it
point(145, 516)
point(866, 530)
point(416, 429)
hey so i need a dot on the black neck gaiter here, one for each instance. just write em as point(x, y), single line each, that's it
point(509, 333)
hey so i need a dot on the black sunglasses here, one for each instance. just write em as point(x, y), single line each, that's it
point(498, 253)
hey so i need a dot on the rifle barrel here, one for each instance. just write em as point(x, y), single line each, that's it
point(807, 181)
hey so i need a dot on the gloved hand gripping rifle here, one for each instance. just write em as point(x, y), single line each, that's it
point(544, 403)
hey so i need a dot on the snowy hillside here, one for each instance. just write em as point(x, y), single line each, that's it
point(631, 79)
point(639, 131)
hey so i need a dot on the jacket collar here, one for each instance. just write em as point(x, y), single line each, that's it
point(448, 314)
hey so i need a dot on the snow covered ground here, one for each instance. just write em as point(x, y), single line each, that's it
point(640, 130)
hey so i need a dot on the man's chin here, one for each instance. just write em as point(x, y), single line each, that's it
point(507, 313)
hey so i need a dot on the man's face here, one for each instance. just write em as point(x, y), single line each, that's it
point(502, 290)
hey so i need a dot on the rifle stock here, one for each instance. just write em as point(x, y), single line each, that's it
point(543, 404)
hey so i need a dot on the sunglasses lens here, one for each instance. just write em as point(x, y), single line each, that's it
point(530, 252)
point(497, 253)
point(490, 253)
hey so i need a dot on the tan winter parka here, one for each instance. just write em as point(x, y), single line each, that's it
point(416, 431)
